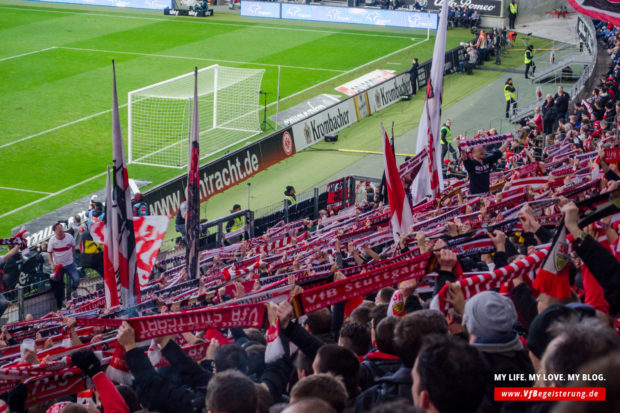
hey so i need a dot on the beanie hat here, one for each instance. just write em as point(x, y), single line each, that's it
point(538, 336)
point(489, 315)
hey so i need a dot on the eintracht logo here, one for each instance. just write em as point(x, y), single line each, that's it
point(287, 143)
point(308, 134)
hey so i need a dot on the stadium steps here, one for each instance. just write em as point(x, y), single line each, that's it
point(555, 67)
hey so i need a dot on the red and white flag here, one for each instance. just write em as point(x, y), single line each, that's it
point(110, 283)
point(538, 93)
point(605, 10)
point(122, 229)
point(149, 232)
point(400, 210)
point(552, 278)
point(430, 179)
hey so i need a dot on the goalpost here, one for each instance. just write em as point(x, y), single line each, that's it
point(160, 115)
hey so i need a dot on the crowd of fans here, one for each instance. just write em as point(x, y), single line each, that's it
point(426, 344)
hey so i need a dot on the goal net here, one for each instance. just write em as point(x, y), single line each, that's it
point(160, 115)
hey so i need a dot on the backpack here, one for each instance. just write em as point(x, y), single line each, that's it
point(91, 253)
point(388, 389)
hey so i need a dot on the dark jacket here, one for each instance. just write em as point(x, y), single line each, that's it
point(561, 102)
point(392, 387)
point(306, 342)
point(605, 268)
point(504, 358)
point(525, 303)
point(157, 393)
point(375, 366)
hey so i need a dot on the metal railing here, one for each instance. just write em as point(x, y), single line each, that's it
point(587, 34)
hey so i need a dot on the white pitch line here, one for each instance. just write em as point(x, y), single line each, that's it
point(51, 195)
point(26, 54)
point(198, 58)
point(24, 190)
point(73, 122)
point(174, 20)
point(271, 104)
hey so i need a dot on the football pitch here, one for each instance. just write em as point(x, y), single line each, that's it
point(56, 82)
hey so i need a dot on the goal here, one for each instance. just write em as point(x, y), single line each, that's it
point(160, 115)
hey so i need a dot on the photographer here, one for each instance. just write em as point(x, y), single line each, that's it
point(4, 303)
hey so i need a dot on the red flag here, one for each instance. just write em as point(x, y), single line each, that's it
point(400, 210)
point(192, 220)
point(110, 283)
point(122, 215)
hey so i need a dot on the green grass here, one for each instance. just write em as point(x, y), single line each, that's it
point(51, 88)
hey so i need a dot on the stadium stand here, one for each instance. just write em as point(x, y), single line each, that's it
point(523, 248)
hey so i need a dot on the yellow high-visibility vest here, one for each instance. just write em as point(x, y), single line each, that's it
point(509, 91)
point(237, 224)
point(513, 8)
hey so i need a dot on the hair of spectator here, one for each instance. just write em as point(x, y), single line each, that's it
point(256, 359)
point(577, 343)
point(310, 405)
point(130, 397)
point(263, 398)
point(361, 315)
point(324, 386)
point(400, 406)
point(341, 362)
point(384, 335)
point(74, 408)
point(231, 356)
point(607, 367)
point(411, 330)
point(358, 337)
point(377, 314)
point(452, 372)
point(320, 321)
point(303, 362)
point(385, 294)
point(232, 392)
point(255, 335)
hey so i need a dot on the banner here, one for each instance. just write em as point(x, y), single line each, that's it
point(304, 110)
point(359, 285)
point(484, 7)
point(223, 173)
point(136, 4)
point(260, 9)
point(485, 140)
point(337, 193)
point(373, 17)
point(242, 316)
point(390, 92)
point(365, 82)
point(331, 120)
